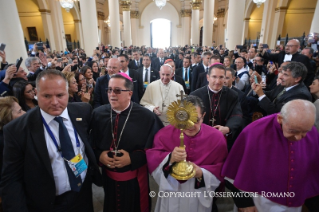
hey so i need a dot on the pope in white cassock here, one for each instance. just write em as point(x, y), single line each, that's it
point(161, 93)
point(206, 148)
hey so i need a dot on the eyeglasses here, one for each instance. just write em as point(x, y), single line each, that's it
point(198, 120)
point(289, 46)
point(115, 90)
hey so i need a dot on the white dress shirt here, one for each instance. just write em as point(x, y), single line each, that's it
point(60, 174)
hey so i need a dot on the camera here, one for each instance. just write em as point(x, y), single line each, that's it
point(40, 46)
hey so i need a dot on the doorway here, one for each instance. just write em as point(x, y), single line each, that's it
point(161, 33)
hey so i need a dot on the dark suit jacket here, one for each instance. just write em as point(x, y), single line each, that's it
point(100, 95)
point(138, 86)
point(270, 106)
point(156, 65)
point(154, 74)
point(202, 80)
point(178, 63)
point(33, 77)
point(195, 75)
point(27, 179)
point(179, 72)
point(132, 64)
point(180, 80)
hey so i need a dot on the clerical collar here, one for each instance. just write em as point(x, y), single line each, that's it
point(213, 90)
point(119, 112)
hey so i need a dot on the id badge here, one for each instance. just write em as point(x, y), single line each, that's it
point(77, 165)
point(187, 84)
point(145, 84)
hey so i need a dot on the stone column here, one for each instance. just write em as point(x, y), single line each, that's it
point(267, 23)
point(208, 22)
point(102, 35)
point(126, 6)
point(89, 25)
point(277, 25)
point(78, 31)
point(235, 23)
point(220, 27)
point(48, 27)
point(314, 25)
point(186, 26)
point(134, 24)
point(58, 26)
point(195, 32)
point(12, 36)
point(114, 12)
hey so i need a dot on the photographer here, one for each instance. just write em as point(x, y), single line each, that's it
point(3, 61)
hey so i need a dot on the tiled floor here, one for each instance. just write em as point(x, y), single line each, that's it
point(224, 204)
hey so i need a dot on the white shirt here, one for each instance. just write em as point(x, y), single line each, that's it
point(288, 57)
point(149, 74)
point(60, 174)
point(205, 67)
point(186, 69)
point(127, 72)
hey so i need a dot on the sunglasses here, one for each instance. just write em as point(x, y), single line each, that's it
point(115, 90)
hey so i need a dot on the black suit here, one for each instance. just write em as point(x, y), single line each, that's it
point(27, 179)
point(195, 75)
point(202, 80)
point(178, 63)
point(279, 58)
point(156, 65)
point(33, 77)
point(154, 75)
point(132, 64)
point(273, 105)
point(180, 80)
point(100, 95)
point(179, 72)
point(138, 86)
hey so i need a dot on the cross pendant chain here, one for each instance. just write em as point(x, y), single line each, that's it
point(213, 121)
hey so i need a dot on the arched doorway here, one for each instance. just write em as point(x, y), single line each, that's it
point(161, 33)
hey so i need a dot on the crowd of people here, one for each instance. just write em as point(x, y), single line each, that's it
point(75, 118)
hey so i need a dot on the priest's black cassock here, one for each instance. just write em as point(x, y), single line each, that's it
point(224, 108)
point(123, 191)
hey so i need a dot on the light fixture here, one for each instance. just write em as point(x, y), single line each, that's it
point(160, 3)
point(67, 4)
point(259, 2)
point(108, 22)
point(215, 18)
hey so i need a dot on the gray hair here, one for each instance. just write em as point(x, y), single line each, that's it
point(207, 53)
point(51, 73)
point(297, 70)
point(232, 71)
point(197, 102)
point(311, 51)
point(29, 60)
point(296, 107)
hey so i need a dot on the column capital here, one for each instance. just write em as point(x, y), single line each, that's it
point(135, 14)
point(100, 15)
point(125, 5)
point(186, 13)
point(195, 4)
point(281, 9)
point(221, 13)
point(44, 11)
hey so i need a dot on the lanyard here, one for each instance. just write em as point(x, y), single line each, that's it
point(54, 140)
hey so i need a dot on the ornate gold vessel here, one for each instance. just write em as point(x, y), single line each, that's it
point(182, 115)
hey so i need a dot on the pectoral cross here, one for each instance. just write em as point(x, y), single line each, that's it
point(213, 121)
point(163, 105)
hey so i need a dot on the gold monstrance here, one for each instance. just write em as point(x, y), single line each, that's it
point(182, 115)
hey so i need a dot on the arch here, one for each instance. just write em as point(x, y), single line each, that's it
point(151, 12)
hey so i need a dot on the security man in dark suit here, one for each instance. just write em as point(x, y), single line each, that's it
point(201, 68)
point(292, 87)
point(136, 63)
point(49, 165)
point(158, 61)
point(186, 73)
point(147, 74)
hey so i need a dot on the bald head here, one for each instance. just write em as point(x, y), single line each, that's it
point(292, 46)
point(297, 118)
point(113, 66)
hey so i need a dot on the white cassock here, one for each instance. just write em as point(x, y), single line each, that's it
point(159, 95)
point(198, 200)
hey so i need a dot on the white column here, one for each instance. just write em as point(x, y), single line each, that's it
point(314, 25)
point(208, 22)
point(101, 31)
point(58, 26)
point(115, 23)
point(48, 28)
point(134, 27)
point(12, 36)
point(235, 22)
point(277, 25)
point(78, 31)
point(89, 25)
point(127, 28)
point(195, 27)
point(267, 22)
point(186, 20)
